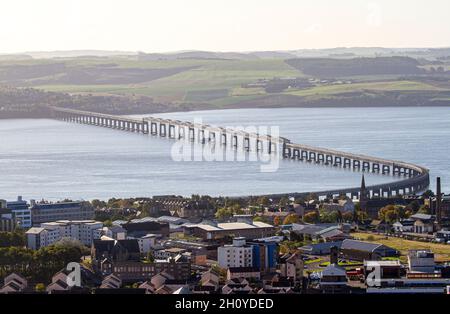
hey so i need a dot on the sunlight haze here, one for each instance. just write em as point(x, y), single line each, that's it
point(219, 25)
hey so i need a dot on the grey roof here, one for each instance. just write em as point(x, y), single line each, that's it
point(322, 246)
point(307, 229)
point(331, 233)
point(359, 245)
point(422, 216)
point(334, 270)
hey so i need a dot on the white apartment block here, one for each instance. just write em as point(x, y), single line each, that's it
point(237, 254)
point(48, 233)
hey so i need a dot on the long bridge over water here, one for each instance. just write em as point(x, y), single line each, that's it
point(411, 178)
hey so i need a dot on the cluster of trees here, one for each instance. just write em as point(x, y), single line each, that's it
point(42, 264)
point(16, 238)
point(393, 213)
point(224, 213)
point(324, 216)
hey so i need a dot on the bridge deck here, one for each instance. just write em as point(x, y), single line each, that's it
point(420, 177)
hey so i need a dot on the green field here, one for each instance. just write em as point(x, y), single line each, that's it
point(218, 82)
point(442, 251)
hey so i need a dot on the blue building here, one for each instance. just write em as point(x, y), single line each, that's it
point(21, 211)
point(265, 252)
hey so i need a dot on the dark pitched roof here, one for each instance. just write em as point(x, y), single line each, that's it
point(243, 269)
point(359, 245)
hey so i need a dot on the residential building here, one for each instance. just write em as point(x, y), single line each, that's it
point(291, 266)
point(237, 286)
point(21, 211)
point(243, 272)
point(345, 205)
point(114, 232)
point(47, 212)
point(423, 223)
point(334, 280)
point(404, 225)
point(48, 233)
point(146, 243)
point(264, 254)
point(238, 254)
point(14, 283)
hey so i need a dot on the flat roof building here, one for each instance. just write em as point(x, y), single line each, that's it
point(212, 231)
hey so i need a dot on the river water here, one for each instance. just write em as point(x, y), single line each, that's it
point(56, 160)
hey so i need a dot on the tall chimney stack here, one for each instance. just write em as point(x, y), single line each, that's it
point(438, 200)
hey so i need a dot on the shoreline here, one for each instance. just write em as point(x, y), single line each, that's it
point(231, 107)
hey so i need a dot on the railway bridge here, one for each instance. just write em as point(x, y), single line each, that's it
point(411, 178)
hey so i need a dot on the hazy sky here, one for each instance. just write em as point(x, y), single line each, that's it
point(221, 25)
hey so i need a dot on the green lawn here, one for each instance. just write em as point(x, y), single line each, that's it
point(442, 251)
point(374, 86)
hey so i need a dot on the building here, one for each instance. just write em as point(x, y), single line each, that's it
point(114, 232)
point(319, 248)
point(421, 264)
point(48, 233)
point(360, 251)
point(104, 253)
point(140, 228)
point(194, 209)
point(21, 211)
point(129, 271)
point(264, 254)
point(7, 220)
point(243, 272)
point(237, 286)
point(443, 236)
point(343, 206)
point(383, 269)
point(334, 280)
point(423, 223)
point(260, 254)
point(14, 283)
point(146, 243)
point(324, 232)
point(123, 259)
point(238, 254)
point(291, 266)
point(405, 225)
point(212, 231)
point(48, 212)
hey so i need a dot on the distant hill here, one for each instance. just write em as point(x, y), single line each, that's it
point(197, 55)
point(327, 67)
point(338, 52)
point(77, 53)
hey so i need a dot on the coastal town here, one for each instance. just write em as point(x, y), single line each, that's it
point(203, 245)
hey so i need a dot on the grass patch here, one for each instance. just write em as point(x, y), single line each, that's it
point(312, 261)
point(360, 87)
point(442, 251)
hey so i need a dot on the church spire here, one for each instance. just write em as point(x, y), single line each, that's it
point(363, 195)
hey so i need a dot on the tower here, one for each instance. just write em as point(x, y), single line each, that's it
point(363, 195)
point(438, 200)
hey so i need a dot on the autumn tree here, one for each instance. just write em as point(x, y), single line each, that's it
point(290, 219)
point(311, 217)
